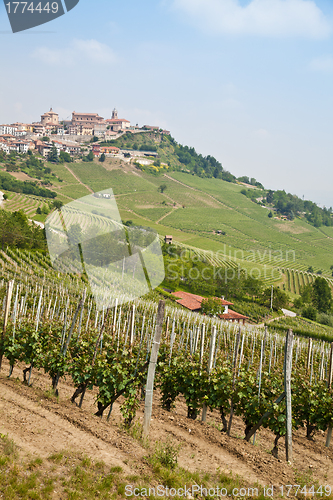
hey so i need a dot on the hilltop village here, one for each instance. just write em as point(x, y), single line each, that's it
point(68, 136)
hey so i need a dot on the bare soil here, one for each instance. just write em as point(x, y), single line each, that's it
point(41, 425)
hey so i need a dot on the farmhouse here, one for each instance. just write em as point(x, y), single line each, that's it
point(193, 303)
point(109, 150)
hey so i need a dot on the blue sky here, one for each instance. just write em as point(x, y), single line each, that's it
point(249, 82)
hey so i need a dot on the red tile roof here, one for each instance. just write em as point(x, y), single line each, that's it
point(233, 315)
point(115, 120)
point(86, 114)
point(189, 300)
point(192, 301)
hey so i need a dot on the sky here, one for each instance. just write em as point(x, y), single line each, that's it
point(247, 81)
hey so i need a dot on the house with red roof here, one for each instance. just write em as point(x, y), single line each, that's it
point(193, 303)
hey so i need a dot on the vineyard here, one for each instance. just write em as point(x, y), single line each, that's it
point(268, 274)
point(206, 366)
point(53, 325)
point(21, 202)
point(297, 279)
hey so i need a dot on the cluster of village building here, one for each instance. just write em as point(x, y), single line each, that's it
point(66, 135)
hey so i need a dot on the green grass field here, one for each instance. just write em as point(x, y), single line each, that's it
point(192, 209)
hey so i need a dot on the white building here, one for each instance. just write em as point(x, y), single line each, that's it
point(7, 129)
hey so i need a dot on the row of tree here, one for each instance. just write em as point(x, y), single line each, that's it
point(291, 205)
point(9, 183)
point(315, 300)
point(16, 231)
point(55, 157)
point(204, 166)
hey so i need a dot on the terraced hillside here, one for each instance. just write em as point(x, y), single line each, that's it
point(193, 210)
point(205, 215)
point(29, 204)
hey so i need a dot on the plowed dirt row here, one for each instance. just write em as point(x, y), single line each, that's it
point(42, 425)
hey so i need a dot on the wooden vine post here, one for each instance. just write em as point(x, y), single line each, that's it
point(202, 344)
point(329, 385)
point(209, 367)
point(152, 367)
point(308, 360)
point(66, 345)
point(132, 327)
point(287, 388)
point(234, 378)
point(98, 341)
point(5, 320)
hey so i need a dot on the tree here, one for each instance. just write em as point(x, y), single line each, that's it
point(306, 294)
point(53, 155)
point(322, 295)
point(5, 196)
point(162, 188)
point(310, 269)
point(45, 138)
point(65, 157)
point(102, 157)
point(90, 156)
point(211, 306)
point(280, 298)
point(253, 286)
point(309, 313)
point(270, 196)
point(57, 204)
point(270, 214)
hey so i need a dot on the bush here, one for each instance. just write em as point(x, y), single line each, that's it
point(298, 303)
point(310, 313)
point(167, 454)
point(325, 319)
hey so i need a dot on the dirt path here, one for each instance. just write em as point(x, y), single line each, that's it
point(198, 191)
point(164, 216)
point(42, 432)
point(42, 425)
point(77, 178)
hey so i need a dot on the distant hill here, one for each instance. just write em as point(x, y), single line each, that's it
point(273, 235)
point(175, 157)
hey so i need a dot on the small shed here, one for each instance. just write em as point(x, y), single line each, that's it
point(168, 239)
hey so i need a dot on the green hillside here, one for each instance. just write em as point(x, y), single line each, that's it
point(200, 209)
point(193, 209)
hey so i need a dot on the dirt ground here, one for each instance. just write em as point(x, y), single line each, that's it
point(42, 425)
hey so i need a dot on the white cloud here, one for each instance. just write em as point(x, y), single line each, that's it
point(323, 63)
point(78, 50)
point(271, 18)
